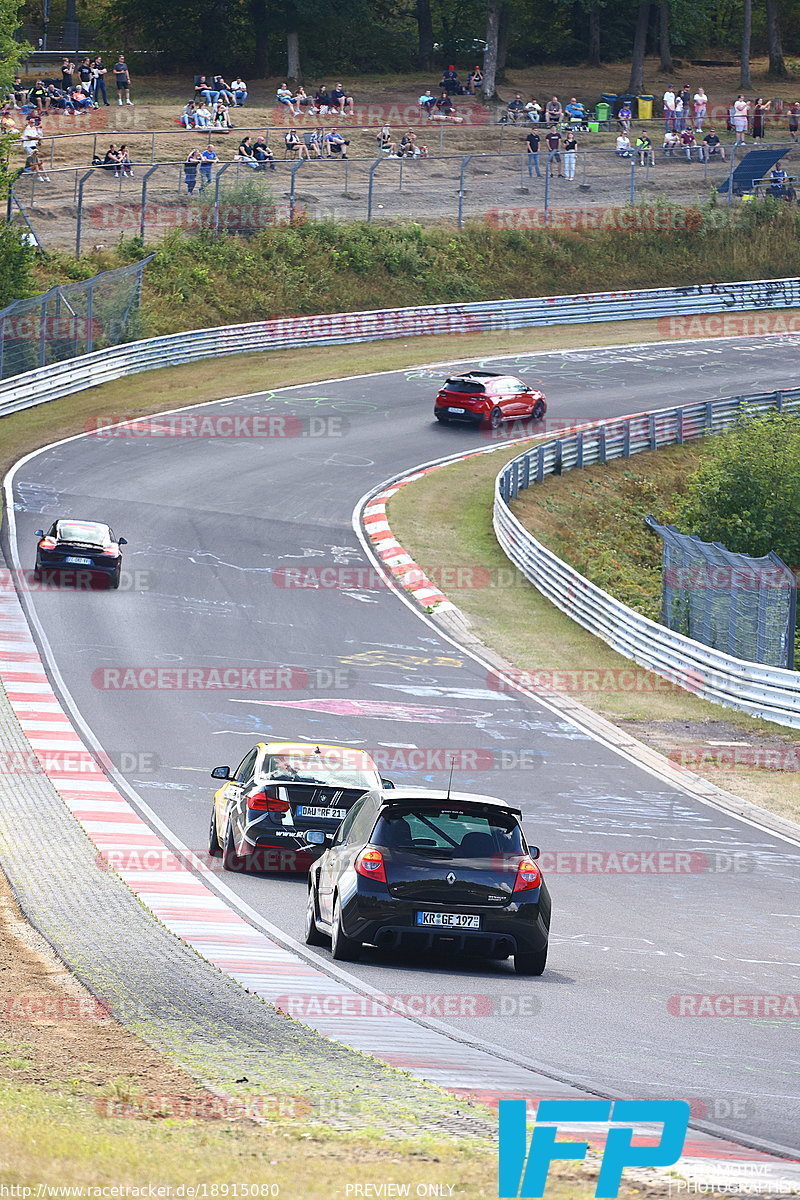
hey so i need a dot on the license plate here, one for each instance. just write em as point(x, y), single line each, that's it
point(451, 920)
point(79, 562)
point(461, 410)
point(335, 814)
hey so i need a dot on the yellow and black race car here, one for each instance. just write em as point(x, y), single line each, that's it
point(283, 803)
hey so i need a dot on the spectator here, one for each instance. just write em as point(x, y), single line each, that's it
point(202, 115)
point(777, 182)
point(625, 116)
point(570, 154)
point(31, 138)
point(532, 142)
point(688, 143)
point(671, 140)
point(190, 170)
point(427, 101)
point(125, 164)
point(514, 109)
point(554, 111)
point(553, 140)
point(576, 114)
point(56, 100)
point(533, 111)
point(7, 122)
point(322, 99)
point(741, 111)
point(700, 108)
point(245, 152)
point(123, 77)
point(712, 147)
point(686, 99)
point(263, 155)
point(67, 70)
point(794, 119)
point(335, 144)
point(99, 73)
point(188, 117)
point(315, 142)
point(668, 102)
point(285, 97)
point(644, 149)
point(204, 91)
point(444, 105)
point(384, 140)
point(295, 146)
point(623, 147)
point(408, 147)
point(81, 101)
point(303, 102)
point(208, 157)
point(223, 90)
point(449, 81)
point(220, 118)
point(19, 93)
point(85, 74)
point(37, 96)
point(341, 103)
point(474, 80)
point(680, 115)
point(111, 159)
point(760, 109)
point(34, 163)
point(239, 89)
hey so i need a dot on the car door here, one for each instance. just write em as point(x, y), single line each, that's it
point(335, 860)
point(236, 790)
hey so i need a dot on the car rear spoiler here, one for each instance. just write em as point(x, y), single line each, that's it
point(438, 802)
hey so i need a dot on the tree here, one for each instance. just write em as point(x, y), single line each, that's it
point(664, 48)
point(776, 64)
point(636, 81)
point(424, 34)
point(258, 16)
point(747, 33)
point(292, 43)
point(490, 54)
point(593, 57)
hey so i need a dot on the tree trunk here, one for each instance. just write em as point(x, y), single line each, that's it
point(258, 17)
point(636, 81)
point(503, 34)
point(747, 30)
point(776, 64)
point(664, 47)
point(425, 35)
point(292, 44)
point(593, 59)
point(490, 53)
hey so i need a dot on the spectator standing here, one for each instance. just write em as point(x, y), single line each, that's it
point(668, 102)
point(123, 79)
point(239, 89)
point(190, 170)
point(570, 154)
point(700, 102)
point(760, 109)
point(67, 70)
point(741, 110)
point(99, 73)
point(686, 100)
point(794, 119)
point(553, 140)
point(680, 115)
point(532, 142)
point(711, 146)
point(208, 157)
point(85, 74)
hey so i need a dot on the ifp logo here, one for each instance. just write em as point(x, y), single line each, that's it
point(523, 1171)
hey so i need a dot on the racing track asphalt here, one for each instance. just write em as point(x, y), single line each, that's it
point(210, 520)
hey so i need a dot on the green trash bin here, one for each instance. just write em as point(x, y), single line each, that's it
point(644, 107)
point(602, 111)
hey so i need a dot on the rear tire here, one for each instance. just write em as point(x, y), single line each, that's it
point(214, 848)
point(531, 964)
point(495, 418)
point(313, 936)
point(442, 419)
point(232, 861)
point(115, 578)
point(343, 948)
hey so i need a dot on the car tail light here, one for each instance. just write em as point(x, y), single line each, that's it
point(47, 543)
point(267, 802)
point(370, 864)
point(528, 876)
point(111, 551)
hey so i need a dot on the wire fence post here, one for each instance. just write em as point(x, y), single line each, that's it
point(90, 315)
point(217, 182)
point(632, 194)
point(467, 158)
point(2, 346)
point(546, 192)
point(79, 223)
point(153, 148)
point(295, 169)
point(43, 330)
point(372, 171)
point(142, 215)
point(730, 176)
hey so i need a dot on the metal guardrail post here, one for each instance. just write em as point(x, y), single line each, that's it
point(294, 171)
point(467, 158)
point(80, 210)
point(153, 148)
point(90, 318)
point(730, 176)
point(632, 196)
point(546, 191)
point(372, 171)
point(142, 220)
point(43, 330)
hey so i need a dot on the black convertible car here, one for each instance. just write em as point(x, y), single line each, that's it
point(415, 869)
point(86, 549)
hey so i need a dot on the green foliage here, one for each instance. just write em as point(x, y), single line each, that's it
point(16, 259)
point(746, 493)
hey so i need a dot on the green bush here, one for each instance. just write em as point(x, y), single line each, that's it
point(16, 262)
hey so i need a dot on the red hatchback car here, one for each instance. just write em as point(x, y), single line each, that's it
point(478, 396)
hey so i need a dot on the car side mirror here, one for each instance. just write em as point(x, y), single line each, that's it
point(221, 773)
point(39, 533)
point(315, 837)
point(122, 541)
point(386, 783)
point(534, 851)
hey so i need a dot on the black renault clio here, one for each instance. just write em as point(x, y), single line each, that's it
point(417, 869)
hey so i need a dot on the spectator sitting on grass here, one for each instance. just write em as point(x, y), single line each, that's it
point(303, 102)
point(111, 159)
point(202, 115)
point(208, 157)
point(126, 166)
point(384, 140)
point(34, 163)
point(474, 80)
point(533, 111)
point(188, 117)
point(18, 93)
point(294, 145)
point(408, 147)
point(81, 100)
point(263, 155)
point(285, 97)
point(515, 108)
point(245, 153)
point(623, 148)
point(220, 118)
point(341, 103)
point(427, 101)
point(335, 144)
point(322, 99)
point(7, 122)
point(239, 89)
point(671, 140)
point(712, 147)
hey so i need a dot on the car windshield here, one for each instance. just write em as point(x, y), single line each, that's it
point(463, 385)
point(81, 531)
point(324, 766)
point(449, 832)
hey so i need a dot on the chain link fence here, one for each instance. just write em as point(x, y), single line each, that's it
point(743, 606)
point(70, 320)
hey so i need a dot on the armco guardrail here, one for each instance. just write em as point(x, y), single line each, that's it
point(762, 691)
point(78, 374)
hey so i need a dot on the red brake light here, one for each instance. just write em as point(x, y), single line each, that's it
point(111, 550)
point(266, 802)
point(370, 864)
point(47, 543)
point(528, 876)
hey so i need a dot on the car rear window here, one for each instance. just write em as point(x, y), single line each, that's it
point(463, 385)
point(77, 531)
point(328, 768)
point(449, 833)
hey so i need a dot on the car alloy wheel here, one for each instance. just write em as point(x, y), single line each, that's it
point(343, 948)
point(313, 937)
point(495, 418)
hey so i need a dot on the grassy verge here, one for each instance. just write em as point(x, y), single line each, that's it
point(444, 520)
